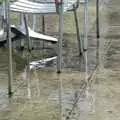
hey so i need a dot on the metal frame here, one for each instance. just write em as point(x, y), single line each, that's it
point(60, 12)
point(58, 3)
point(61, 27)
point(10, 69)
point(97, 20)
point(85, 27)
point(78, 31)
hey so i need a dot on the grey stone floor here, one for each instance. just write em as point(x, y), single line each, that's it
point(75, 94)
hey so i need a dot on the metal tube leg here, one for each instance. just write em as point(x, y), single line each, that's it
point(60, 86)
point(21, 24)
point(29, 47)
point(86, 25)
point(27, 33)
point(34, 22)
point(43, 31)
point(59, 59)
point(43, 24)
point(97, 19)
point(10, 69)
point(78, 31)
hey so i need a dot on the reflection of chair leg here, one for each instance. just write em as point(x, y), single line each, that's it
point(59, 59)
point(78, 31)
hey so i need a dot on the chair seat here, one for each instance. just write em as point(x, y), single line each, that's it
point(26, 6)
point(1, 33)
point(33, 34)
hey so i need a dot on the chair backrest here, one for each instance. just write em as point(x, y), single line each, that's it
point(66, 3)
point(56, 2)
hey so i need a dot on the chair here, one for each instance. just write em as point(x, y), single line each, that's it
point(50, 7)
point(27, 7)
point(25, 32)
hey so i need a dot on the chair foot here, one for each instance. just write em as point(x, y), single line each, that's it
point(85, 50)
point(98, 36)
point(22, 48)
point(80, 53)
point(10, 94)
point(59, 71)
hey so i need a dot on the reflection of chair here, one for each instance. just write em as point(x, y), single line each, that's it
point(48, 7)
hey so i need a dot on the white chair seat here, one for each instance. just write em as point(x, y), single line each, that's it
point(1, 33)
point(25, 6)
point(35, 35)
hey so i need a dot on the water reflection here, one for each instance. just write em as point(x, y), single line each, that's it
point(59, 96)
point(43, 63)
point(76, 101)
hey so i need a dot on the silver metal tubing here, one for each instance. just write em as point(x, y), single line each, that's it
point(43, 24)
point(34, 22)
point(10, 69)
point(21, 24)
point(61, 27)
point(97, 19)
point(27, 33)
point(29, 45)
point(78, 31)
point(85, 25)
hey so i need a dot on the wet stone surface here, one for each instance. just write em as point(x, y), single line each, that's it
point(45, 95)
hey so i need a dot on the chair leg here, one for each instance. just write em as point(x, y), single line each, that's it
point(43, 24)
point(43, 31)
point(34, 22)
point(97, 19)
point(21, 24)
point(78, 31)
point(10, 69)
point(86, 25)
point(27, 33)
point(61, 26)
point(28, 43)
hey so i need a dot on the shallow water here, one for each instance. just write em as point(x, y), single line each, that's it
point(81, 91)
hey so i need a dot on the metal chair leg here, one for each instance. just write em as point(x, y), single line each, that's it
point(28, 43)
point(34, 22)
point(97, 19)
point(27, 33)
point(78, 31)
point(10, 69)
point(43, 31)
point(85, 25)
point(43, 24)
point(61, 26)
point(21, 24)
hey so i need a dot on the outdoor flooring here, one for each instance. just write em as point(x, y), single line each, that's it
point(87, 89)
